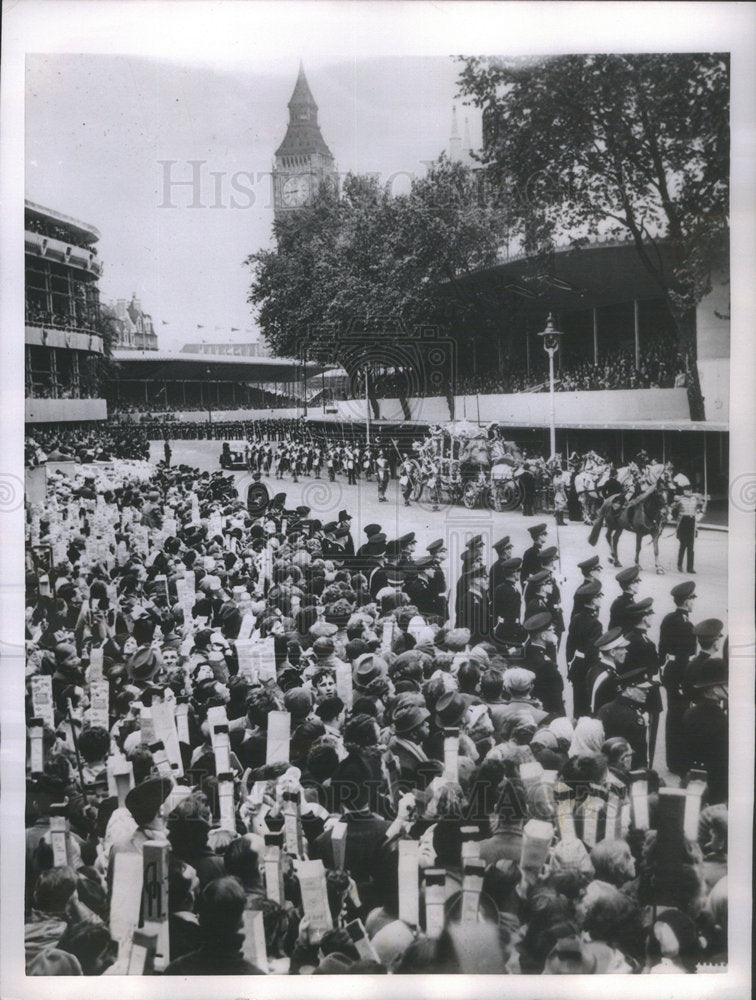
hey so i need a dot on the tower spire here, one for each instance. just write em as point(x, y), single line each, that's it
point(455, 143)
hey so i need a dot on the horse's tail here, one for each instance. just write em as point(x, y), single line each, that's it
point(597, 526)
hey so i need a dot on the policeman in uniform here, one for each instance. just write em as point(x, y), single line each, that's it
point(548, 686)
point(438, 585)
point(601, 680)
point(705, 735)
point(496, 574)
point(708, 635)
point(536, 598)
point(472, 560)
point(642, 654)
point(376, 564)
point(363, 551)
point(417, 586)
point(531, 560)
point(591, 570)
point(623, 716)
point(345, 520)
point(585, 629)
point(554, 598)
point(507, 599)
point(629, 581)
point(677, 645)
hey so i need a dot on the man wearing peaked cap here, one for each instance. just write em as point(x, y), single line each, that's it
point(709, 634)
point(642, 655)
point(549, 686)
point(590, 567)
point(507, 599)
point(438, 586)
point(677, 646)
point(585, 629)
point(601, 679)
point(531, 560)
point(623, 717)
point(496, 576)
point(629, 581)
point(705, 730)
point(476, 542)
point(554, 596)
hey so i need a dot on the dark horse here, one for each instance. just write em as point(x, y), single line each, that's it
point(644, 515)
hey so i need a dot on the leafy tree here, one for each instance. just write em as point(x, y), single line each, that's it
point(373, 261)
point(630, 146)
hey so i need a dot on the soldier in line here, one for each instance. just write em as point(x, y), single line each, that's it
point(677, 645)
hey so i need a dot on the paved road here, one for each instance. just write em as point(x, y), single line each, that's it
point(457, 524)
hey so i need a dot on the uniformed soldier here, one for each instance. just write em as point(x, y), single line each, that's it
point(531, 560)
point(382, 475)
point(472, 560)
point(585, 629)
point(554, 596)
point(709, 635)
point(549, 686)
point(345, 520)
point(405, 478)
point(438, 585)
point(601, 680)
point(591, 570)
point(686, 509)
point(705, 728)
point(472, 598)
point(496, 575)
point(536, 595)
point(376, 564)
point(677, 645)
point(623, 716)
point(629, 581)
point(642, 654)
point(417, 586)
point(363, 551)
point(507, 599)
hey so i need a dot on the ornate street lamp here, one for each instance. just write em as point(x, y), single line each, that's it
point(551, 338)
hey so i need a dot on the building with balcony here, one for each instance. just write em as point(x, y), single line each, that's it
point(63, 343)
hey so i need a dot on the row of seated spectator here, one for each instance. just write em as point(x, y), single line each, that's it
point(83, 319)
point(46, 228)
point(41, 390)
point(102, 443)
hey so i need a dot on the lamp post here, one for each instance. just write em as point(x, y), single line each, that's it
point(551, 346)
point(208, 373)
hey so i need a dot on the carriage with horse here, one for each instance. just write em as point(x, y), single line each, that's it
point(462, 462)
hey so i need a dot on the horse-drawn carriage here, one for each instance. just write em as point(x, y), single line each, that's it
point(462, 463)
point(231, 458)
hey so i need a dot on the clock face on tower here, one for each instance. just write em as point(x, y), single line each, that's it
point(296, 191)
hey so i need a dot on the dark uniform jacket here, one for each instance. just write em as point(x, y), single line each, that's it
point(705, 745)
point(548, 686)
point(601, 684)
point(507, 603)
point(617, 611)
point(531, 562)
point(554, 605)
point(496, 576)
point(585, 629)
point(621, 717)
point(676, 640)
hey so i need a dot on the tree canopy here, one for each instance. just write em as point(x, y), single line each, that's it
point(372, 258)
point(630, 146)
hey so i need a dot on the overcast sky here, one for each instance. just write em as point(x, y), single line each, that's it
point(98, 127)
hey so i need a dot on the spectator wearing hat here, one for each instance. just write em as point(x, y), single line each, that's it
point(506, 822)
point(705, 731)
point(601, 680)
point(144, 801)
point(507, 598)
point(629, 581)
point(410, 726)
point(677, 644)
point(531, 560)
point(585, 628)
point(518, 684)
point(549, 686)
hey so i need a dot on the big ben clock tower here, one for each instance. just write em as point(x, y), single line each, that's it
point(303, 159)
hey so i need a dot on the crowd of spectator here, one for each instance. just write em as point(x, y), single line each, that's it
point(45, 227)
point(81, 318)
point(416, 806)
point(100, 444)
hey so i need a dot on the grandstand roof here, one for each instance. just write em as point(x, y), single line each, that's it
point(572, 278)
point(84, 231)
point(191, 367)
